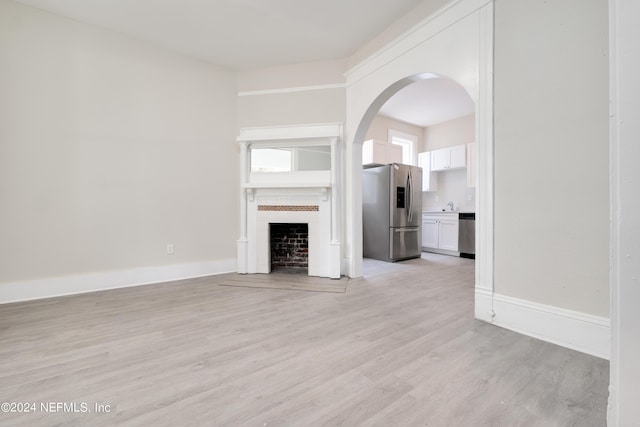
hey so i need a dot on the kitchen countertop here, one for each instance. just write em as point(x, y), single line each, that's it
point(440, 211)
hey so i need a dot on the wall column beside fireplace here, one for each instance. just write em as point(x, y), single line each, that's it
point(336, 249)
point(242, 241)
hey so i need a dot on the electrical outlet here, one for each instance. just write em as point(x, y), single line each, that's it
point(437, 198)
point(170, 249)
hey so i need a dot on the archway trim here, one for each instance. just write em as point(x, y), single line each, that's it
point(457, 42)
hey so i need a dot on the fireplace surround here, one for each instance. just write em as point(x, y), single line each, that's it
point(301, 195)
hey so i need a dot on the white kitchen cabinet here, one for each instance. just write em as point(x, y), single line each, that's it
point(429, 178)
point(458, 156)
point(471, 165)
point(440, 159)
point(374, 151)
point(448, 234)
point(429, 232)
point(449, 158)
point(440, 231)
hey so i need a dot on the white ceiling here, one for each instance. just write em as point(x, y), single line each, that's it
point(428, 102)
point(242, 34)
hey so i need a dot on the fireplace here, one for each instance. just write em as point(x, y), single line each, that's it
point(289, 244)
point(304, 192)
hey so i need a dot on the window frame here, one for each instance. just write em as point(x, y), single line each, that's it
point(413, 141)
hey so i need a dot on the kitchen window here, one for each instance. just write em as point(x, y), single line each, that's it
point(408, 143)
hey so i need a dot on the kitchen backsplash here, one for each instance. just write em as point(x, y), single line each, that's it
point(452, 186)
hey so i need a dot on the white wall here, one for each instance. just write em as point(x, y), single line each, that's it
point(381, 125)
point(452, 186)
point(461, 130)
point(299, 75)
point(293, 108)
point(291, 95)
point(109, 149)
point(396, 29)
point(552, 153)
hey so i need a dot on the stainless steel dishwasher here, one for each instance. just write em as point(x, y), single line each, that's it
point(467, 234)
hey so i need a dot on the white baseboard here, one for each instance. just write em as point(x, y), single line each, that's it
point(441, 251)
point(484, 305)
point(572, 329)
point(78, 284)
point(335, 260)
point(348, 268)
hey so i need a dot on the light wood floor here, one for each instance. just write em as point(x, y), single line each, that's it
point(399, 348)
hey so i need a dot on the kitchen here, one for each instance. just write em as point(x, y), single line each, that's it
point(431, 124)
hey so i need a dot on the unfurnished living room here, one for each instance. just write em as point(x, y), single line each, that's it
point(304, 213)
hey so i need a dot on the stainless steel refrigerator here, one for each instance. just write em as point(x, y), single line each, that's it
point(392, 212)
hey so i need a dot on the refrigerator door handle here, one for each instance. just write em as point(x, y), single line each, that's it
point(410, 198)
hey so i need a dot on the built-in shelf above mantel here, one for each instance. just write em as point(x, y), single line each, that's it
point(294, 179)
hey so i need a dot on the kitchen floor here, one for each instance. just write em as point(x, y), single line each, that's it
point(399, 348)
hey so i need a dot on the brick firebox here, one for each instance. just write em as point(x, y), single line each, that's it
point(289, 247)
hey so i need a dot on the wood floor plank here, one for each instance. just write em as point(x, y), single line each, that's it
point(286, 281)
point(397, 347)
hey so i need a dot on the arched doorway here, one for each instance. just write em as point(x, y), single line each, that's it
point(457, 44)
point(427, 115)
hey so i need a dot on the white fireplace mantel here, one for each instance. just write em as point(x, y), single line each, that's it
point(291, 193)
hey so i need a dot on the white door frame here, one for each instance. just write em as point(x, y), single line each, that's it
point(624, 66)
point(454, 42)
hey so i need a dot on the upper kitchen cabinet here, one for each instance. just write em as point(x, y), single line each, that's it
point(374, 151)
point(429, 178)
point(449, 158)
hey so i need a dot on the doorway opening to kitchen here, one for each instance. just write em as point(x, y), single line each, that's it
point(429, 126)
point(454, 43)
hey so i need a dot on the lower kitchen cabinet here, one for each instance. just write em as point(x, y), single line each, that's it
point(448, 234)
point(440, 231)
point(430, 232)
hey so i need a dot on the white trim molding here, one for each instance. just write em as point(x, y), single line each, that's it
point(93, 282)
point(292, 89)
point(483, 307)
point(624, 87)
point(572, 329)
point(393, 133)
point(485, 162)
point(438, 21)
